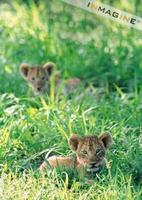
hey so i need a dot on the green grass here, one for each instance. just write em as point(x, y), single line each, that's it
point(100, 52)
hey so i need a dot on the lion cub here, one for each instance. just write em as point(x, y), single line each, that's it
point(90, 153)
point(40, 77)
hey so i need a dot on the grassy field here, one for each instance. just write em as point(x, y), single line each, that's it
point(107, 57)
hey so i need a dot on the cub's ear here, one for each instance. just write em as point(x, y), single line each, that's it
point(49, 67)
point(24, 68)
point(106, 139)
point(73, 142)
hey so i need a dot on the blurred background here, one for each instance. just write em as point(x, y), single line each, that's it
point(97, 50)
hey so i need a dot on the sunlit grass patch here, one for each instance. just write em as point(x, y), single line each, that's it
point(32, 131)
point(31, 187)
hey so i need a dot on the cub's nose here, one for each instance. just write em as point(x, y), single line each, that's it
point(38, 88)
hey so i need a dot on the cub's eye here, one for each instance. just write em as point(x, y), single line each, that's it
point(33, 78)
point(84, 152)
point(43, 78)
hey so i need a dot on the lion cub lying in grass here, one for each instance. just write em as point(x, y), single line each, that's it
point(40, 77)
point(90, 153)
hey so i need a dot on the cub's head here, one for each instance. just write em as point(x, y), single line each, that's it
point(38, 77)
point(90, 150)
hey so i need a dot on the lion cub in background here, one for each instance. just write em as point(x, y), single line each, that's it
point(90, 153)
point(39, 78)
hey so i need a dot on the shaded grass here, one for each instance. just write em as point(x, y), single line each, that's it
point(53, 32)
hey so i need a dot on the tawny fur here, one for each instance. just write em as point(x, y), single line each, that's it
point(90, 153)
point(40, 77)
